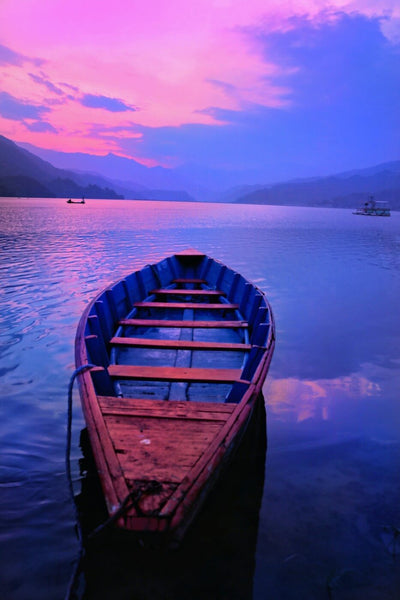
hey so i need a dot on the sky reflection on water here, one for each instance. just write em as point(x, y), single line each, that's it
point(332, 463)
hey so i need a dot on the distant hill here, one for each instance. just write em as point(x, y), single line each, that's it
point(56, 171)
point(22, 185)
point(32, 171)
point(127, 176)
point(345, 190)
point(24, 174)
point(197, 182)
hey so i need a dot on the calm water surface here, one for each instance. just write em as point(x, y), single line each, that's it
point(324, 523)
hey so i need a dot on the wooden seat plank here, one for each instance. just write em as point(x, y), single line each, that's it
point(183, 305)
point(180, 292)
point(174, 374)
point(177, 344)
point(178, 323)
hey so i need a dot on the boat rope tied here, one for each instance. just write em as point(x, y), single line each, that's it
point(71, 592)
point(145, 488)
point(74, 375)
point(132, 499)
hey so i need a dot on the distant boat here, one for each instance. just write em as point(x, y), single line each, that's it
point(178, 353)
point(76, 201)
point(372, 208)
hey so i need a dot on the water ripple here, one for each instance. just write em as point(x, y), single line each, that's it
point(334, 284)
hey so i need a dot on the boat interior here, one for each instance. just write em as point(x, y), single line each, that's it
point(187, 328)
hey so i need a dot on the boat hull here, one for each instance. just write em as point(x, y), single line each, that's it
point(180, 352)
point(372, 213)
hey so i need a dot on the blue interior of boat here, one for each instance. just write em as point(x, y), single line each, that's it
point(117, 302)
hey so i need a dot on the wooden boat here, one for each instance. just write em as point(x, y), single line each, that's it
point(115, 567)
point(76, 201)
point(179, 353)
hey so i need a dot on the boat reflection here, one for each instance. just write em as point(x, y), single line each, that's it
point(216, 558)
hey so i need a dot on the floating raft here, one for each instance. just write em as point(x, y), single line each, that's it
point(179, 353)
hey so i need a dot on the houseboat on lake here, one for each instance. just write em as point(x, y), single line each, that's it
point(373, 208)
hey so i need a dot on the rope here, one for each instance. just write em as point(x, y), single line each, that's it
point(71, 591)
point(132, 498)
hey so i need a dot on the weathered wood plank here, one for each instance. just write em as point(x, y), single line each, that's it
point(110, 473)
point(177, 323)
point(213, 453)
point(180, 292)
point(121, 411)
point(183, 305)
point(135, 465)
point(168, 406)
point(177, 344)
point(190, 435)
point(206, 411)
point(161, 443)
point(145, 446)
point(203, 480)
point(174, 374)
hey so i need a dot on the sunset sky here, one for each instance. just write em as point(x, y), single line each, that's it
point(296, 87)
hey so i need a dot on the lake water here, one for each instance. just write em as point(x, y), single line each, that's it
point(325, 519)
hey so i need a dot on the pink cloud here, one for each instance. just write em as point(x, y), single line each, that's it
point(164, 57)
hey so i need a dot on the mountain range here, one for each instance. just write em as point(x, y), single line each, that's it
point(26, 170)
point(24, 173)
point(345, 190)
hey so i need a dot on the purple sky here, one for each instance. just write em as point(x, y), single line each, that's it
point(283, 88)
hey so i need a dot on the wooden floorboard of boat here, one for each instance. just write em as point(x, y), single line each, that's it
point(177, 344)
point(178, 323)
point(183, 305)
point(174, 374)
point(153, 448)
point(170, 409)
